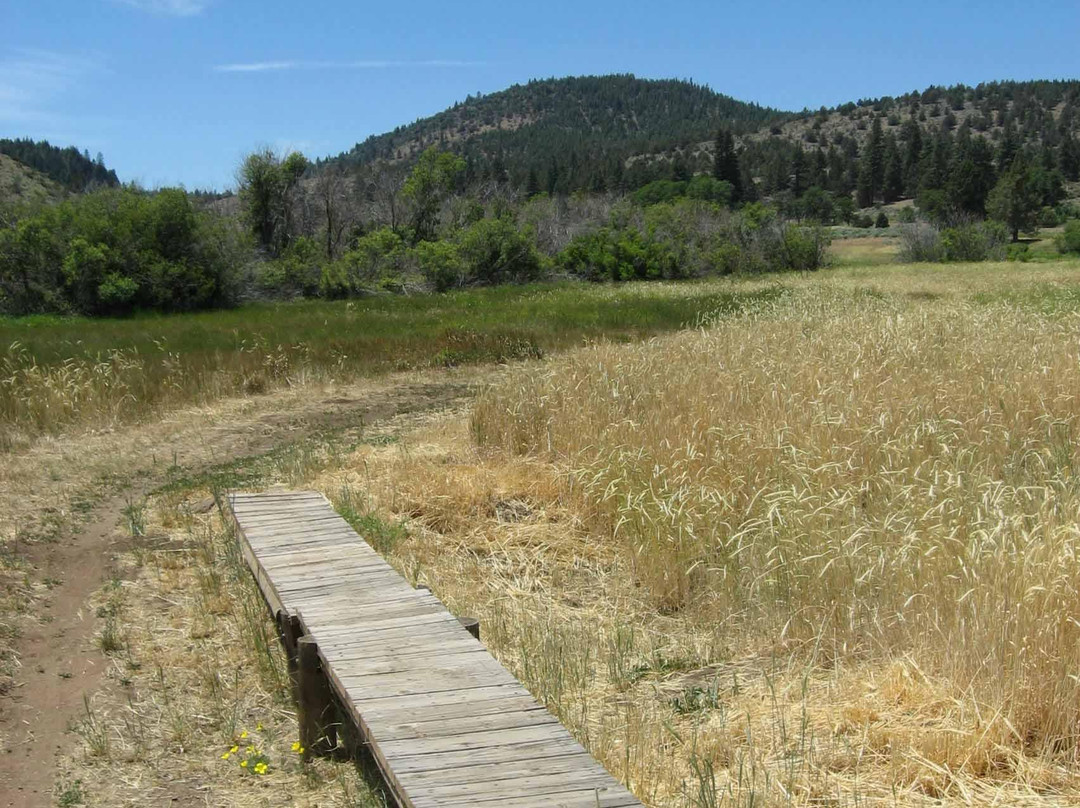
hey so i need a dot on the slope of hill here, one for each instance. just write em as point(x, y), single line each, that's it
point(601, 132)
point(20, 183)
point(69, 167)
point(570, 133)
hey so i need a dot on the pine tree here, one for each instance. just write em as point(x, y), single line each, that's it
point(680, 171)
point(1015, 200)
point(893, 184)
point(872, 167)
point(1010, 146)
point(1069, 158)
point(532, 184)
point(553, 177)
point(726, 164)
point(798, 171)
point(819, 170)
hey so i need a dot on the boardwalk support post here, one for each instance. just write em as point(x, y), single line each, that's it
point(471, 624)
point(291, 631)
point(317, 714)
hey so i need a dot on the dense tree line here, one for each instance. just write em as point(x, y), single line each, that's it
point(73, 169)
point(983, 165)
point(951, 171)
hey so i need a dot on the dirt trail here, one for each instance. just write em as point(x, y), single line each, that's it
point(59, 664)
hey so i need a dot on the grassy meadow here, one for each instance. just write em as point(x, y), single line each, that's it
point(820, 549)
point(59, 373)
point(819, 552)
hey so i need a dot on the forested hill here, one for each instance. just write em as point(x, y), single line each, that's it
point(571, 133)
point(620, 133)
point(69, 167)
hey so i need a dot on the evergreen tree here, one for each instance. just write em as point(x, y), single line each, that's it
point(819, 170)
point(1009, 148)
point(680, 171)
point(726, 164)
point(1069, 158)
point(872, 167)
point(893, 183)
point(798, 171)
point(553, 177)
point(1015, 200)
point(532, 184)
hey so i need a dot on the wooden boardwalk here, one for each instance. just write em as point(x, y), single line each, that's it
point(446, 723)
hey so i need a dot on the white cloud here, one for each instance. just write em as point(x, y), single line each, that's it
point(171, 8)
point(361, 64)
point(33, 81)
point(254, 67)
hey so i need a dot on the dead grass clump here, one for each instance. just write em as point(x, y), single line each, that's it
point(848, 482)
point(199, 706)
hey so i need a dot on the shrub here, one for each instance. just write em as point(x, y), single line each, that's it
point(921, 243)
point(708, 189)
point(984, 241)
point(818, 205)
point(116, 291)
point(906, 216)
point(117, 250)
point(441, 264)
point(377, 257)
point(934, 205)
point(1048, 217)
point(1017, 252)
point(973, 241)
point(729, 259)
point(683, 234)
point(882, 220)
point(297, 273)
point(659, 191)
point(861, 220)
point(615, 254)
point(1069, 240)
point(496, 251)
point(798, 248)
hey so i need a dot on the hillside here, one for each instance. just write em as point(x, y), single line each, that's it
point(1041, 116)
point(570, 133)
point(68, 167)
point(621, 132)
point(20, 183)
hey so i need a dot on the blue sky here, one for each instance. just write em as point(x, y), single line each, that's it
point(176, 91)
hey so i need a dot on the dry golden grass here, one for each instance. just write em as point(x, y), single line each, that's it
point(821, 553)
point(198, 693)
point(868, 250)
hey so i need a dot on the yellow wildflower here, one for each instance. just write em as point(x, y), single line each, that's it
point(258, 727)
point(234, 749)
point(260, 768)
point(226, 756)
point(243, 764)
point(296, 746)
point(243, 734)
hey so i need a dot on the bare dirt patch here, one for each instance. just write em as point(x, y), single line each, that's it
point(63, 507)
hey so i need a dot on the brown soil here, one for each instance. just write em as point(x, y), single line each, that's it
point(58, 662)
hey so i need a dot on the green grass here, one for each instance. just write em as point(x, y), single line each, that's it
point(415, 327)
point(59, 371)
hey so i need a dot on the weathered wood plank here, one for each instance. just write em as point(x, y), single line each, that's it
point(447, 724)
